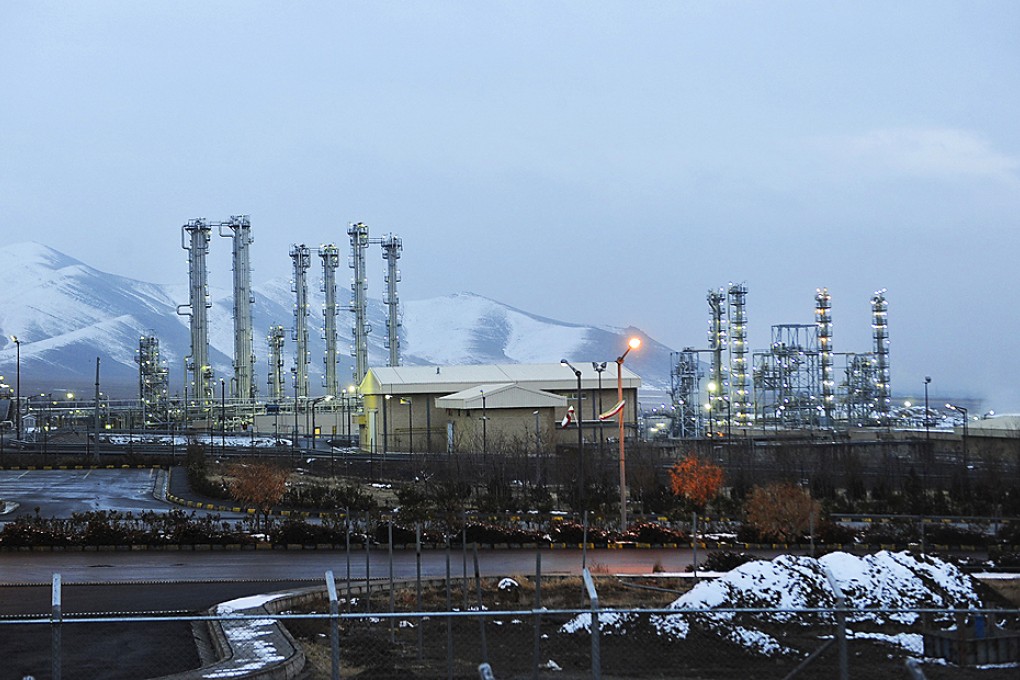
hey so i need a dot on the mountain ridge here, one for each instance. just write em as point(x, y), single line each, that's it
point(67, 313)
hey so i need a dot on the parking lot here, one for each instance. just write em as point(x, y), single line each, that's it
point(59, 493)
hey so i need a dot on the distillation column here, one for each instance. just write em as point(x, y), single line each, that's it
point(153, 381)
point(275, 341)
point(739, 383)
point(716, 344)
point(330, 261)
point(823, 321)
point(302, 258)
point(359, 300)
point(391, 253)
point(195, 239)
point(880, 337)
point(243, 387)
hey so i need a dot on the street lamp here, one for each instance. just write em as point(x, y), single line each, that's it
point(485, 432)
point(223, 416)
point(633, 343)
point(314, 429)
point(966, 466)
point(410, 427)
point(927, 420)
point(599, 366)
point(580, 434)
point(17, 386)
point(385, 425)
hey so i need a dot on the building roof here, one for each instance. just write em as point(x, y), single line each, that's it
point(450, 379)
point(504, 395)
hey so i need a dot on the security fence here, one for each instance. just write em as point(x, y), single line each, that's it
point(404, 633)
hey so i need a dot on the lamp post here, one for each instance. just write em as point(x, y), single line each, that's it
point(17, 386)
point(927, 420)
point(410, 427)
point(385, 425)
point(580, 436)
point(314, 429)
point(966, 462)
point(485, 432)
point(223, 416)
point(599, 366)
point(633, 343)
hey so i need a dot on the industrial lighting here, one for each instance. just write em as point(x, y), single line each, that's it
point(580, 433)
point(633, 343)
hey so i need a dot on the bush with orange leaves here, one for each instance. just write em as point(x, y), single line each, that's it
point(781, 511)
point(696, 480)
point(259, 485)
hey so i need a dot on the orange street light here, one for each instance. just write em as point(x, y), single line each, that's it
point(633, 343)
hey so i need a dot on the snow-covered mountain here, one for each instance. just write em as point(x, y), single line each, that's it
point(66, 314)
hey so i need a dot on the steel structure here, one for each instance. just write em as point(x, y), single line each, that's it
point(860, 389)
point(391, 247)
point(359, 300)
point(275, 341)
point(718, 397)
point(195, 239)
point(684, 388)
point(302, 260)
point(880, 348)
point(787, 377)
point(739, 391)
point(242, 387)
point(823, 322)
point(330, 256)
point(153, 381)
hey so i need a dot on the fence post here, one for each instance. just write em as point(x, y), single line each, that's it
point(449, 618)
point(55, 618)
point(694, 543)
point(537, 656)
point(844, 663)
point(417, 588)
point(481, 616)
point(596, 656)
point(389, 539)
point(334, 626)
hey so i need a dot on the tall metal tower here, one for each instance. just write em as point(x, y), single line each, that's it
point(391, 253)
point(685, 387)
point(243, 386)
point(739, 391)
point(359, 300)
point(275, 341)
point(823, 320)
point(330, 262)
point(153, 381)
point(195, 239)
point(717, 393)
point(302, 258)
point(880, 348)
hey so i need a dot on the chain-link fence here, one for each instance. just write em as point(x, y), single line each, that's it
point(424, 630)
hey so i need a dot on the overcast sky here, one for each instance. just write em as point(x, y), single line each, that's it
point(602, 163)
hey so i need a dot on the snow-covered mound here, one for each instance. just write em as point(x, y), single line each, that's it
point(883, 581)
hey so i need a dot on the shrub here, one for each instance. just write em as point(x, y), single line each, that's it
point(723, 560)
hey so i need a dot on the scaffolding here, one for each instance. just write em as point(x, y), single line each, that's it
point(195, 239)
point(330, 256)
point(275, 341)
point(787, 377)
point(243, 387)
point(739, 392)
point(684, 388)
point(823, 321)
point(153, 382)
point(301, 256)
point(391, 247)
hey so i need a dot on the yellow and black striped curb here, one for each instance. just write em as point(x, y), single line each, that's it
point(82, 467)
